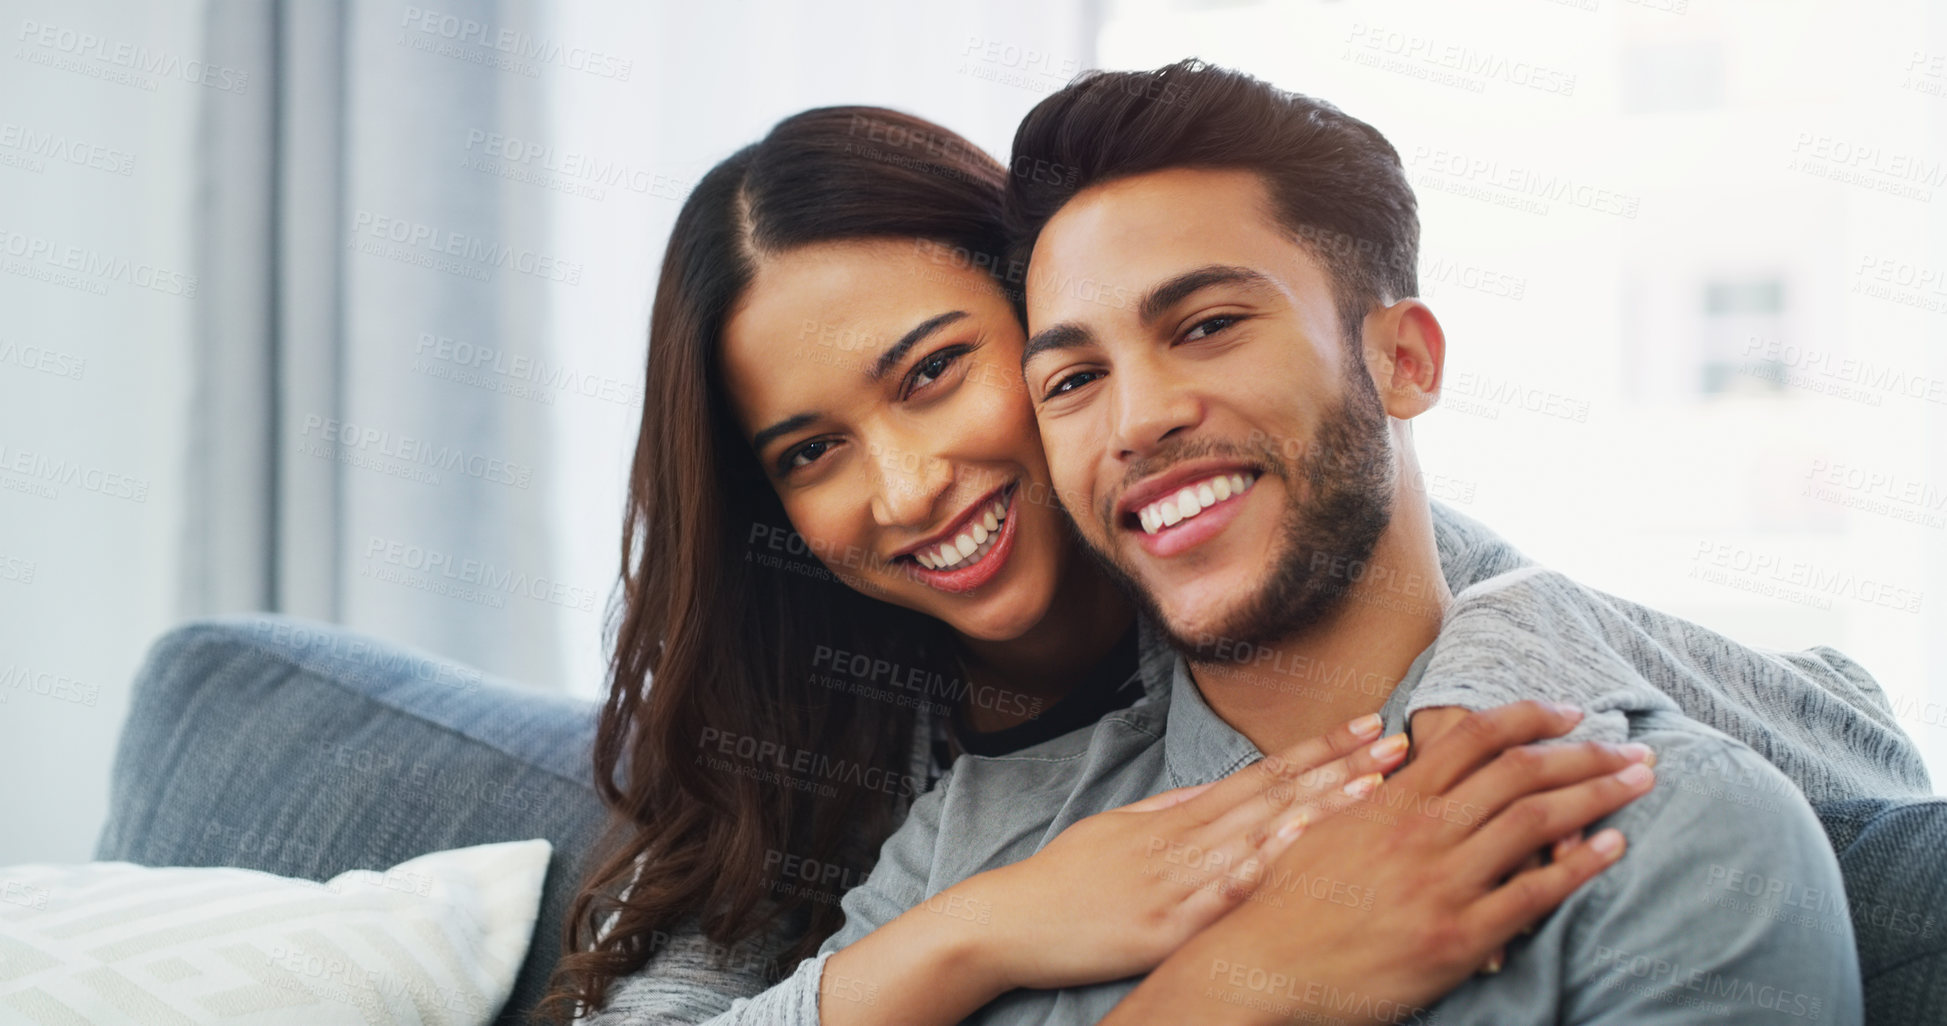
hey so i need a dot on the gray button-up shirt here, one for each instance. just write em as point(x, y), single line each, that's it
point(1727, 907)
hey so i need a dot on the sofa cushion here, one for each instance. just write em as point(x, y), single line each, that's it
point(305, 750)
point(435, 941)
point(1893, 855)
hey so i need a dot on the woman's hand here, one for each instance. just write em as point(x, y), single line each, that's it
point(1114, 894)
point(1110, 896)
point(1434, 846)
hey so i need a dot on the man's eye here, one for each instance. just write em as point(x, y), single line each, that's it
point(806, 454)
point(1071, 383)
point(1207, 327)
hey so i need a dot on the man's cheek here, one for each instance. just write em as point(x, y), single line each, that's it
point(1064, 448)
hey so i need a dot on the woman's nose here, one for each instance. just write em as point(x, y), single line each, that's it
point(910, 485)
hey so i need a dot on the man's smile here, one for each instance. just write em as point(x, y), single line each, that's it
point(1186, 505)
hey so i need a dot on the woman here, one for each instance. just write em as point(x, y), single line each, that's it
point(842, 562)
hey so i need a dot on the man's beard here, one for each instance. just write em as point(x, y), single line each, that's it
point(1339, 499)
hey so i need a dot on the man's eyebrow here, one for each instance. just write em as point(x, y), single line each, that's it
point(1066, 335)
point(891, 357)
point(782, 427)
point(1169, 293)
point(1069, 335)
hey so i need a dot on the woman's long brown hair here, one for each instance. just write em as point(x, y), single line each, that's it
point(730, 627)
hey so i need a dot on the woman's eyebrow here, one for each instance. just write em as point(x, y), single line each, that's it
point(891, 357)
point(782, 427)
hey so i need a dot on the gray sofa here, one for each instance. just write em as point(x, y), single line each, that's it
point(305, 750)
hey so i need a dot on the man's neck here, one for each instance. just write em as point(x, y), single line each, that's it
point(1346, 665)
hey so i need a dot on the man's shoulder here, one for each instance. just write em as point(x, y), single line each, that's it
point(1704, 775)
point(1727, 899)
point(1718, 813)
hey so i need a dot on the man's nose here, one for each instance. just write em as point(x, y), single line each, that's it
point(1149, 406)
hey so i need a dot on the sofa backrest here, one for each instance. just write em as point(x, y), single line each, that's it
point(306, 750)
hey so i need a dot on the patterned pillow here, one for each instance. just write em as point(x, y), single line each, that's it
point(434, 940)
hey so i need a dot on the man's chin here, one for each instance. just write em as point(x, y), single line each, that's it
point(1202, 613)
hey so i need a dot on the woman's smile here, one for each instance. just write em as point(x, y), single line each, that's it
point(970, 552)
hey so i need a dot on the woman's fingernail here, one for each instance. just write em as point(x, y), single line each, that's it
point(1567, 844)
point(1388, 748)
point(1607, 843)
point(1636, 751)
point(1362, 786)
point(1573, 712)
point(1367, 726)
point(1295, 825)
point(1637, 775)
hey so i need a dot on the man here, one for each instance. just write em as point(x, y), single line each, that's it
point(1225, 357)
point(1271, 333)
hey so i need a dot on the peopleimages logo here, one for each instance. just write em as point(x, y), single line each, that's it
point(414, 451)
point(424, 244)
point(38, 257)
point(38, 147)
point(583, 168)
point(527, 377)
point(515, 43)
point(119, 61)
point(466, 577)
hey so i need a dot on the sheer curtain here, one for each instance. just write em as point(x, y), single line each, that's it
point(350, 465)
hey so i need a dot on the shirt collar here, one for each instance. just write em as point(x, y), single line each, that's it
point(1199, 747)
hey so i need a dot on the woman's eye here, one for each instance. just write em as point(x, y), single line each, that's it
point(806, 454)
point(1208, 327)
point(1071, 383)
point(929, 370)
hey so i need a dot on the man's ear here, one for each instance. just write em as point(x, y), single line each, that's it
point(1406, 350)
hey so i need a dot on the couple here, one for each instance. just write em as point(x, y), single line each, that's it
point(1161, 564)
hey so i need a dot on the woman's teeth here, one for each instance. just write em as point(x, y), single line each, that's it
point(1194, 498)
point(969, 546)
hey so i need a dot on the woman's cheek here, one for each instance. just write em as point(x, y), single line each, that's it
point(1000, 399)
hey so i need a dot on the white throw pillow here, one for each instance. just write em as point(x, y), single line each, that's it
point(434, 940)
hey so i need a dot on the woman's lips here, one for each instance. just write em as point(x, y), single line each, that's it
point(983, 560)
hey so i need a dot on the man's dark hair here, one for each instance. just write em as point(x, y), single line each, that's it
point(1338, 185)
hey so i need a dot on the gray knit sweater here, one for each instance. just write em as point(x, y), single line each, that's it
point(1815, 714)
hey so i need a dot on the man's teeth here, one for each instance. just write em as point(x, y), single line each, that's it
point(969, 546)
point(1191, 500)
